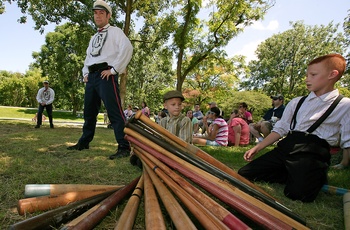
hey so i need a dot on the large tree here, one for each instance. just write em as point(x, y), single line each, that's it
point(283, 58)
point(346, 26)
point(61, 58)
point(213, 79)
point(191, 35)
point(17, 89)
point(204, 37)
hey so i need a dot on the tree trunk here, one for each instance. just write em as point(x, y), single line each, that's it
point(124, 77)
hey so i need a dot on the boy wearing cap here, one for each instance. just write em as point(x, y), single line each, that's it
point(45, 97)
point(301, 159)
point(107, 56)
point(265, 125)
point(176, 122)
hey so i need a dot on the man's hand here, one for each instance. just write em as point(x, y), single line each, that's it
point(106, 74)
point(85, 79)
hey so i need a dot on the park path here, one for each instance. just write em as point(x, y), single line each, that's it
point(55, 122)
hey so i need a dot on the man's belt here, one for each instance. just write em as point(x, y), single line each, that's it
point(98, 67)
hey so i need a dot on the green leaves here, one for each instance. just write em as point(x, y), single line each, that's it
point(283, 58)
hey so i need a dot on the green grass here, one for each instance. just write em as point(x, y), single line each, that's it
point(28, 113)
point(39, 156)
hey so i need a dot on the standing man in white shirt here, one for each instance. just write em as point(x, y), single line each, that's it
point(108, 54)
point(45, 97)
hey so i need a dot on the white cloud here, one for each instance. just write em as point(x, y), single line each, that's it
point(273, 25)
point(249, 49)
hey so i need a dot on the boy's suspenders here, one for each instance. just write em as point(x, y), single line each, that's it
point(320, 120)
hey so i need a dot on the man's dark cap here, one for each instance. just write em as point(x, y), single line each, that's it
point(173, 94)
point(279, 97)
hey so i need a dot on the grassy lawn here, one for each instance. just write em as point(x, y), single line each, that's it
point(39, 156)
point(28, 113)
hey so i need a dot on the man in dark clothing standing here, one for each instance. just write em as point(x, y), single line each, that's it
point(107, 57)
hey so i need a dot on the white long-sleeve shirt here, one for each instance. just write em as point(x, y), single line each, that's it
point(46, 96)
point(335, 127)
point(116, 50)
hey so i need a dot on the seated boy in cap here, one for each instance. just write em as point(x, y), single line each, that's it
point(176, 122)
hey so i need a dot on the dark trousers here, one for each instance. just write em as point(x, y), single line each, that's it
point(98, 89)
point(40, 113)
point(304, 173)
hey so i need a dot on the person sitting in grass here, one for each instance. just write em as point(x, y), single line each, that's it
point(217, 132)
point(345, 162)
point(238, 129)
point(194, 120)
point(174, 121)
point(302, 158)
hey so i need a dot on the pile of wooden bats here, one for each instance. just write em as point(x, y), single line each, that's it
point(175, 174)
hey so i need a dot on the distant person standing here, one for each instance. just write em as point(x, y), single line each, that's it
point(108, 54)
point(45, 97)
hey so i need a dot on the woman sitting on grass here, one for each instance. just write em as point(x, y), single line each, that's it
point(217, 132)
point(238, 129)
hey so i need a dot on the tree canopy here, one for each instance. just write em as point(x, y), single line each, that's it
point(283, 58)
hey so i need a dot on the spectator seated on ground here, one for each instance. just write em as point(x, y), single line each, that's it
point(248, 117)
point(194, 120)
point(238, 129)
point(201, 123)
point(263, 128)
point(197, 113)
point(217, 131)
point(345, 162)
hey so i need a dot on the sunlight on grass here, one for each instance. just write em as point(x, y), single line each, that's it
point(29, 156)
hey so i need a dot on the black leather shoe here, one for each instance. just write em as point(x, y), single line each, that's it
point(120, 154)
point(51, 126)
point(134, 160)
point(37, 126)
point(78, 146)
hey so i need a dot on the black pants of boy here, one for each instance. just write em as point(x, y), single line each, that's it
point(40, 113)
point(303, 173)
point(98, 89)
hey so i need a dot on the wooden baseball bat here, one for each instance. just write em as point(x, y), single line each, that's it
point(153, 214)
point(137, 132)
point(74, 222)
point(90, 221)
point(127, 218)
point(204, 216)
point(221, 213)
point(177, 214)
point(346, 202)
point(44, 203)
point(189, 148)
point(334, 190)
point(58, 216)
point(34, 190)
point(226, 194)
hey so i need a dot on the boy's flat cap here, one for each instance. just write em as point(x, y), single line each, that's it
point(173, 94)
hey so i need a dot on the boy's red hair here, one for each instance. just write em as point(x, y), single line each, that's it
point(332, 62)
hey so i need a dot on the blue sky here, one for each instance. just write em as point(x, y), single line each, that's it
point(20, 40)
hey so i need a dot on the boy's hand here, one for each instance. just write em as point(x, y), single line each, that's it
point(249, 155)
